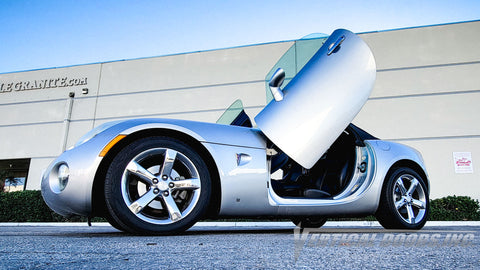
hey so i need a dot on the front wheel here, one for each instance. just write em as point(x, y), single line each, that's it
point(157, 185)
point(404, 202)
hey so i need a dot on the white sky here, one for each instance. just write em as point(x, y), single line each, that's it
point(54, 33)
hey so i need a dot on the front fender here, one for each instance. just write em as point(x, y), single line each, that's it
point(84, 159)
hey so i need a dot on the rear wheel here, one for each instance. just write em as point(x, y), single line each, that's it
point(157, 185)
point(404, 202)
point(309, 222)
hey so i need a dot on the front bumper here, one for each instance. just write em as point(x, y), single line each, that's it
point(76, 197)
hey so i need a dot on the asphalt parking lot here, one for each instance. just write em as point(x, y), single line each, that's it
point(264, 246)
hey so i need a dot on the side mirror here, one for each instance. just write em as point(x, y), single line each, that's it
point(276, 82)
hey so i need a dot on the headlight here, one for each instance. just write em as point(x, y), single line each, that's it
point(59, 178)
point(92, 133)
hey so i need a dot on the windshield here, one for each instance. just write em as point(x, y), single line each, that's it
point(231, 113)
point(235, 115)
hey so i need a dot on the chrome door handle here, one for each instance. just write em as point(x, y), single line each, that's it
point(335, 45)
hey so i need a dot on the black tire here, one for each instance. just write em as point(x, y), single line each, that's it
point(309, 222)
point(157, 185)
point(113, 222)
point(404, 202)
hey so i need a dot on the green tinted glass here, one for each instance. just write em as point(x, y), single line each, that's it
point(231, 113)
point(293, 60)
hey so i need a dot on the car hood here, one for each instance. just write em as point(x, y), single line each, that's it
point(322, 99)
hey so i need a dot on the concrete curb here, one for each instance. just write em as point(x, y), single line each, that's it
point(263, 224)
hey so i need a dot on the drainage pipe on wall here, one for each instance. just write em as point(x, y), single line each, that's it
point(67, 119)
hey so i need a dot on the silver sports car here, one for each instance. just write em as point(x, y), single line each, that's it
point(302, 161)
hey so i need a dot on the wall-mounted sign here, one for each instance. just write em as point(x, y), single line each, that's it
point(463, 162)
point(6, 87)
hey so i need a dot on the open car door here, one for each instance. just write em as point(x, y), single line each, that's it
point(311, 112)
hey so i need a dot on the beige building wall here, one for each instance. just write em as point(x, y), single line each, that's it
point(197, 86)
point(428, 85)
point(426, 95)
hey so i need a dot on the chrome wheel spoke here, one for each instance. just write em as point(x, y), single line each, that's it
point(187, 184)
point(170, 156)
point(419, 204)
point(138, 205)
point(413, 186)
point(400, 203)
point(136, 169)
point(411, 215)
point(172, 208)
point(401, 186)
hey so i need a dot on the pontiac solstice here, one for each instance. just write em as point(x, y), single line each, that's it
point(303, 160)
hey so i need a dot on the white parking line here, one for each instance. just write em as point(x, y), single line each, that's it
point(283, 224)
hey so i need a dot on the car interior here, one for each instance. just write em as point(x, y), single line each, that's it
point(326, 179)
